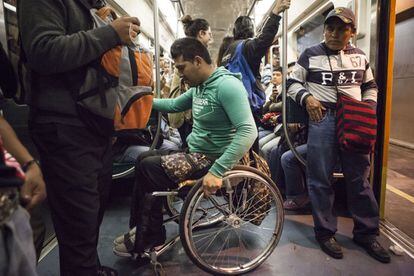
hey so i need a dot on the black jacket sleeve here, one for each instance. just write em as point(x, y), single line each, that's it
point(56, 35)
point(8, 81)
point(255, 49)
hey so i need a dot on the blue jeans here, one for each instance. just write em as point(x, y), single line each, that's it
point(276, 169)
point(263, 132)
point(266, 149)
point(323, 152)
point(294, 173)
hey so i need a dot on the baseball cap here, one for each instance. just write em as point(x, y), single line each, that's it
point(345, 14)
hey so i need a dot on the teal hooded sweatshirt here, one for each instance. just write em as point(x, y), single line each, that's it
point(223, 124)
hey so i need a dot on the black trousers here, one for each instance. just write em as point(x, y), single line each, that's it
point(77, 167)
point(150, 177)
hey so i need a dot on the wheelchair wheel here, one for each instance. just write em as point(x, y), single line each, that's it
point(174, 204)
point(251, 211)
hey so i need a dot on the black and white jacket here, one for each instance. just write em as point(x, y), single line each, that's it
point(312, 75)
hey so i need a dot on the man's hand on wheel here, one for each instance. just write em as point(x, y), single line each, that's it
point(211, 184)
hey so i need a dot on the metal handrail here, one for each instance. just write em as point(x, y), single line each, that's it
point(284, 76)
point(157, 70)
point(251, 8)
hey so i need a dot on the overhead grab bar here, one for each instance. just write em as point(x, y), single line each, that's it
point(284, 92)
point(251, 7)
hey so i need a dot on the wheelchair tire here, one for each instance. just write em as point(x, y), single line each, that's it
point(232, 222)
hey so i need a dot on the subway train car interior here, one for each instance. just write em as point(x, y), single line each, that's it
point(134, 118)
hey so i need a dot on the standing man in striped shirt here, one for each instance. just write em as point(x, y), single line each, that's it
point(312, 85)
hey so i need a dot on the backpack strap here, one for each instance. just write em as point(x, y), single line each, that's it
point(238, 51)
point(133, 63)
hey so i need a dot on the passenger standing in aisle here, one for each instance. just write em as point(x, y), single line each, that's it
point(254, 49)
point(351, 72)
point(60, 43)
point(17, 253)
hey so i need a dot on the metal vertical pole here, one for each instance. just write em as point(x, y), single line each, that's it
point(284, 76)
point(157, 69)
point(177, 11)
point(355, 7)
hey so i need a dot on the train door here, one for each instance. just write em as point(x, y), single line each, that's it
point(398, 210)
point(392, 176)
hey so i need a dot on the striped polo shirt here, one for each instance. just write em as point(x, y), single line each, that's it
point(312, 75)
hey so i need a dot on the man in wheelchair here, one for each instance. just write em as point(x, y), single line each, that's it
point(223, 131)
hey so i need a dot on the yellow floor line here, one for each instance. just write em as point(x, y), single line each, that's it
point(400, 193)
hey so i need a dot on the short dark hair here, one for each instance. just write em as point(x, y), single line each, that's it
point(278, 69)
point(189, 48)
point(243, 28)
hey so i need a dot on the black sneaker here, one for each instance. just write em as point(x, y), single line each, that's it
point(374, 249)
point(332, 248)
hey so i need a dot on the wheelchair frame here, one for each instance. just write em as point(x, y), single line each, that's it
point(242, 172)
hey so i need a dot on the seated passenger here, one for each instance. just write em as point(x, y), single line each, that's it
point(294, 172)
point(273, 90)
point(297, 134)
point(124, 152)
point(268, 137)
point(223, 131)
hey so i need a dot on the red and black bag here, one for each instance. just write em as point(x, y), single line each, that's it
point(356, 123)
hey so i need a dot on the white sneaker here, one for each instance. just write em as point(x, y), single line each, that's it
point(131, 235)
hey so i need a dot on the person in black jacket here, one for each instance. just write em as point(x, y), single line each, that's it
point(8, 81)
point(60, 43)
point(255, 48)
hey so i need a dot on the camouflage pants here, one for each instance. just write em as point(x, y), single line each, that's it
point(182, 166)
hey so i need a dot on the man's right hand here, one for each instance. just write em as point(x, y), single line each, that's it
point(281, 5)
point(314, 108)
point(33, 191)
point(122, 26)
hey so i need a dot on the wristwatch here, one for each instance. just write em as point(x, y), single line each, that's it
point(26, 165)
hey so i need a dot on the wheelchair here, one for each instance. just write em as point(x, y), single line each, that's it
point(232, 232)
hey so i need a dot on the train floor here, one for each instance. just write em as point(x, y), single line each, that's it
point(296, 254)
point(399, 198)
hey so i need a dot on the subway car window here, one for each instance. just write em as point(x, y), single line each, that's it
point(206, 137)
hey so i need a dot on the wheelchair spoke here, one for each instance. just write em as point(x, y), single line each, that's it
point(215, 236)
point(245, 222)
point(256, 208)
point(249, 201)
point(254, 205)
point(242, 196)
point(241, 243)
point(235, 230)
point(255, 233)
point(218, 207)
point(221, 250)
